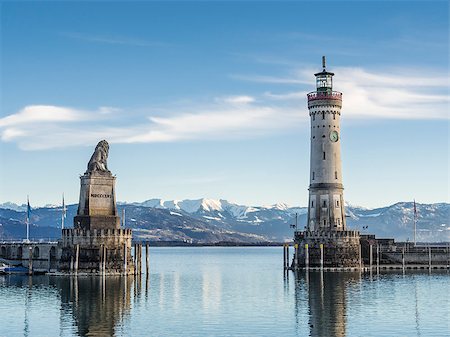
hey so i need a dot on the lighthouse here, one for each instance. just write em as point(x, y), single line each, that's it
point(326, 241)
point(326, 199)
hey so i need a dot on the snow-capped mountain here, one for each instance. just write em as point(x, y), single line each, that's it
point(211, 220)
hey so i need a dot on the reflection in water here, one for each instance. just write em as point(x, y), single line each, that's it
point(327, 294)
point(97, 303)
point(228, 294)
point(211, 289)
point(89, 306)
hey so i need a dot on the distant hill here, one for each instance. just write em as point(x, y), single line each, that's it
point(209, 220)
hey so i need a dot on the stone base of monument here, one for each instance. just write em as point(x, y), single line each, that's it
point(102, 252)
point(97, 222)
point(328, 249)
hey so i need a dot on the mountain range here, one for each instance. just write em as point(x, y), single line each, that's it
point(212, 221)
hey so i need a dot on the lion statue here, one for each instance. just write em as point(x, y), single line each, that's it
point(98, 159)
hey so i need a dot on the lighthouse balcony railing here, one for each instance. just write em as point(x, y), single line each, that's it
point(317, 95)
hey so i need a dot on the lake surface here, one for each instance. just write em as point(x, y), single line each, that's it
point(214, 291)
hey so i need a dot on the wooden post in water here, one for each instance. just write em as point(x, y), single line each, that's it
point(125, 258)
point(77, 254)
point(134, 259)
point(321, 256)
point(137, 258)
point(306, 256)
point(147, 260)
point(140, 258)
point(360, 258)
point(49, 261)
point(296, 256)
point(378, 257)
point(370, 256)
point(429, 256)
point(100, 262)
point(104, 259)
point(30, 260)
point(287, 256)
point(403, 257)
point(284, 257)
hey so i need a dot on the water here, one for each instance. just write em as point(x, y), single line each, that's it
point(226, 292)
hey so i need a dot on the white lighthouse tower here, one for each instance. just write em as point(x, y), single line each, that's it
point(326, 200)
point(326, 242)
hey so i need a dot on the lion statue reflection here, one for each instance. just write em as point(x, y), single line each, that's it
point(99, 158)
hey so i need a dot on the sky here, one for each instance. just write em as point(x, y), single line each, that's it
point(208, 99)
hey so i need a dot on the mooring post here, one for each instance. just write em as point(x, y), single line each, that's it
point(429, 256)
point(321, 256)
point(104, 259)
point(287, 256)
point(306, 256)
point(360, 258)
point(137, 258)
point(370, 256)
point(77, 254)
point(140, 258)
point(296, 256)
point(403, 257)
point(125, 258)
point(378, 257)
point(134, 259)
point(100, 262)
point(147, 260)
point(136, 253)
point(284, 257)
point(30, 260)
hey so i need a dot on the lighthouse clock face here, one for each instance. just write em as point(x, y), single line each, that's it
point(334, 136)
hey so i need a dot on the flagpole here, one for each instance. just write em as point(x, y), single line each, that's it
point(28, 219)
point(63, 214)
point(415, 220)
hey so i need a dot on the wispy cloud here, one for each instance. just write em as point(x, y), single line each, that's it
point(44, 127)
point(399, 94)
point(114, 40)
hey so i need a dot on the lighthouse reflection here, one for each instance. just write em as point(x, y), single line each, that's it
point(326, 297)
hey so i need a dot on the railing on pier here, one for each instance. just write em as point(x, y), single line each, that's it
point(31, 241)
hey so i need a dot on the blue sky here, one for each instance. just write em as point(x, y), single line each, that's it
point(208, 100)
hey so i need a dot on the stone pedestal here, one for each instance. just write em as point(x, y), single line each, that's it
point(97, 207)
point(341, 249)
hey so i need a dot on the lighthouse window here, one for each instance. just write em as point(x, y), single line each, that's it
point(337, 203)
point(324, 203)
point(335, 174)
point(323, 114)
point(324, 156)
point(324, 222)
point(334, 116)
point(312, 204)
point(313, 176)
point(314, 117)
